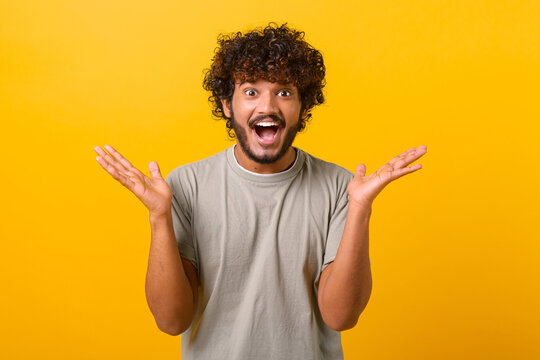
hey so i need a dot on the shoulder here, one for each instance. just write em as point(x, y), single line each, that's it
point(196, 170)
point(329, 180)
point(186, 180)
point(327, 169)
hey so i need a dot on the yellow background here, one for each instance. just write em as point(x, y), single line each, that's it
point(454, 246)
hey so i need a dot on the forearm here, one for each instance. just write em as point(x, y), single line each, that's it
point(348, 285)
point(168, 291)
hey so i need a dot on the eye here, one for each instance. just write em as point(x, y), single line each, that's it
point(250, 92)
point(285, 92)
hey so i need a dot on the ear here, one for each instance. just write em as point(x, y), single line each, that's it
point(226, 107)
point(304, 113)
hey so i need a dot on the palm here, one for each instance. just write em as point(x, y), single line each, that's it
point(149, 190)
point(364, 189)
point(154, 192)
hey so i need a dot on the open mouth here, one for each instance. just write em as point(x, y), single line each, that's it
point(266, 131)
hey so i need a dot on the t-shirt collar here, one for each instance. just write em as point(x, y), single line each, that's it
point(250, 175)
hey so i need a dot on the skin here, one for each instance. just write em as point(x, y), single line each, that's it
point(345, 284)
point(171, 282)
point(259, 100)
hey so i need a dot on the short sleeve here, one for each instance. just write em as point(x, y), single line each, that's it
point(335, 229)
point(181, 216)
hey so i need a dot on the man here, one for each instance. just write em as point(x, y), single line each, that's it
point(260, 251)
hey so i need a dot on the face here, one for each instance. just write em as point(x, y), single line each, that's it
point(265, 118)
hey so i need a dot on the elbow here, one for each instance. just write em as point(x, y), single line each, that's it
point(342, 325)
point(346, 326)
point(171, 321)
point(173, 329)
point(173, 325)
point(343, 320)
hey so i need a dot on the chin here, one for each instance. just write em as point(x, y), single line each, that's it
point(264, 157)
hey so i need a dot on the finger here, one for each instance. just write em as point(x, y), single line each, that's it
point(124, 180)
point(122, 160)
point(405, 160)
point(409, 157)
point(360, 170)
point(407, 170)
point(110, 160)
point(400, 156)
point(154, 170)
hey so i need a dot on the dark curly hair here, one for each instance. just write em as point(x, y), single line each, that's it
point(277, 54)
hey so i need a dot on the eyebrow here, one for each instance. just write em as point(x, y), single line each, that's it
point(284, 86)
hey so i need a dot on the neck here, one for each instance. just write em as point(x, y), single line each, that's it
point(282, 164)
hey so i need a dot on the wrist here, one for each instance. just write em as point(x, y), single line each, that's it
point(157, 216)
point(360, 207)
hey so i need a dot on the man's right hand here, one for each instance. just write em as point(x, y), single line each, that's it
point(154, 192)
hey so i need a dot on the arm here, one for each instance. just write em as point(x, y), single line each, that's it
point(346, 283)
point(171, 282)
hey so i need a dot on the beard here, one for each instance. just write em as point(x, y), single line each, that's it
point(242, 137)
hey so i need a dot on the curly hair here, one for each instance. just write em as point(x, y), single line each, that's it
point(277, 54)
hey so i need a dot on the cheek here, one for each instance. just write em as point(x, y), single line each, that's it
point(242, 108)
point(294, 111)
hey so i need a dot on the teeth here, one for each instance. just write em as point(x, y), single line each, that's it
point(268, 123)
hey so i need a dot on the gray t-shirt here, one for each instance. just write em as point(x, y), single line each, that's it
point(259, 243)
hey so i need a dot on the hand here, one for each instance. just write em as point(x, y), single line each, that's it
point(363, 189)
point(154, 192)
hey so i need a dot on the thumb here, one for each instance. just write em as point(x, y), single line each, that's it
point(360, 170)
point(154, 169)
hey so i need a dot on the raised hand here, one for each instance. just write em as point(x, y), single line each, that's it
point(363, 189)
point(154, 192)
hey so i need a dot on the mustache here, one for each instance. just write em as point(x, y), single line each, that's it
point(274, 117)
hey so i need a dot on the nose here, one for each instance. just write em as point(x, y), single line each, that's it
point(267, 104)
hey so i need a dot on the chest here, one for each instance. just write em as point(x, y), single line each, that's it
point(268, 230)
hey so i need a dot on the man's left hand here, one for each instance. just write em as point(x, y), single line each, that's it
point(363, 189)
